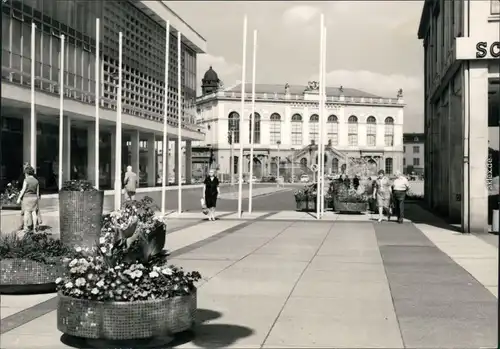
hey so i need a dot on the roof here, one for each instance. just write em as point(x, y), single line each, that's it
point(299, 89)
point(413, 137)
point(211, 75)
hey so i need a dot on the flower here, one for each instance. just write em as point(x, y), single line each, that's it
point(94, 291)
point(78, 249)
point(153, 274)
point(58, 280)
point(68, 285)
point(80, 282)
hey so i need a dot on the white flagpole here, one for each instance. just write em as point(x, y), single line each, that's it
point(61, 114)
point(97, 100)
point(179, 123)
point(242, 118)
point(252, 122)
point(320, 126)
point(33, 115)
point(165, 123)
point(323, 90)
point(118, 142)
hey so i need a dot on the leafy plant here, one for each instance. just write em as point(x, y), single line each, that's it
point(128, 262)
point(78, 185)
point(11, 193)
point(350, 195)
point(38, 247)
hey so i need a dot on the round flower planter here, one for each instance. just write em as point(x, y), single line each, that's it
point(350, 207)
point(23, 276)
point(122, 321)
point(80, 215)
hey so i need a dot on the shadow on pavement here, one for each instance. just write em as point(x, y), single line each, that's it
point(418, 213)
point(202, 335)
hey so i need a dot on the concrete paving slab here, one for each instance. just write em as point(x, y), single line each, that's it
point(307, 322)
point(400, 234)
point(271, 262)
point(484, 270)
point(362, 217)
point(292, 216)
point(345, 276)
point(493, 290)
point(194, 215)
point(11, 304)
point(334, 265)
point(355, 290)
point(245, 215)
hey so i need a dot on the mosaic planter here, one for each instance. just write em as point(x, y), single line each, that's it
point(80, 215)
point(119, 321)
point(311, 204)
point(26, 276)
point(350, 207)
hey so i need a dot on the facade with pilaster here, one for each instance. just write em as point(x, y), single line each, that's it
point(357, 125)
point(143, 94)
point(462, 52)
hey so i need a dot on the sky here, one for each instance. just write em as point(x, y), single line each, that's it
point(371, 45)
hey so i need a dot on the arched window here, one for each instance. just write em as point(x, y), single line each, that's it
point(335, 165)
point(389, 132)
point(275, 129)
point(314, 128)
point(233, 125)
point(296, 129)
point(333, 129)
point(352, 130)
point(388, 166)
point(256, 132)
point(371, 131)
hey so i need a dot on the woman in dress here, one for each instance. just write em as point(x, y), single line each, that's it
point(382, 194)
point(28, 198)
point(210, 193)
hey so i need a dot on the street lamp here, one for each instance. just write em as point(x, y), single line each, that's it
point(278, 168)
point(230, 139)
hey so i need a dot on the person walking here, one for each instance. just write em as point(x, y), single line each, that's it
point(210, 192)
point(28, 198)
point(20, 187)
point(399, 189)
point(382, 194)
point(130, 182)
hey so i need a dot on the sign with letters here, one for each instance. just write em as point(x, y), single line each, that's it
point(482, 48)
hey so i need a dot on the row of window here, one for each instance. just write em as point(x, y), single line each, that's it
point(416, 162)
point(416, 149)
point(296, 129)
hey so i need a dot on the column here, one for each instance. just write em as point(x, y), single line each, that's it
point(26, 139)
point(134, 151)
point(91, 138)
point(189, 162)
point(478, 147)
point(67, 149)
point(151, 164)
point(113, 152)
point(176, 160)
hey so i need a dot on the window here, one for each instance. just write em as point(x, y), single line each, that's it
point(314, 128)
point(333, 130)
point(256, 131)
point(404, 161)
point(234, 125)
point(389, 132)
point(335, 165)
point(416, 149)
point(297, 129)
point(275, 128)
point(416, 161)
point(371, 131)
point(404, 148)
point(388, 166)
point(352, 130)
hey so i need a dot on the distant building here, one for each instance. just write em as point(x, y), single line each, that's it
point(462, 94)
point(357, 126)
point(413, 149)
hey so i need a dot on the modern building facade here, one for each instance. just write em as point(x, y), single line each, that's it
point(414, 150)
point(359, 126)
point(462, 51)
point(143, 26)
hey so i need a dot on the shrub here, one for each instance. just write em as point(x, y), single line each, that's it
point(78, 185)
point(11, 193)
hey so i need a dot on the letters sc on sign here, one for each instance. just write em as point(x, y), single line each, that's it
point(482, 49)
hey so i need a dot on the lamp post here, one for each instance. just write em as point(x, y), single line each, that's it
point(231, 154)
point(311, 147)
point(278, 167)
point(293, 175)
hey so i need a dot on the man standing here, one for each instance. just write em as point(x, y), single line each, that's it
point(130, 182)
point(399, 189)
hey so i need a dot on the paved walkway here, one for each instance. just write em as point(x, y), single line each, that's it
point(288, 283)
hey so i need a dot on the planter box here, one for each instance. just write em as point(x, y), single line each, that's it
point(301, 205)
point(311, 204)
point(11, 207)
point(27, 276)
point(350, 207)
point(329, 204)
point(80, 215)
point(116, 321)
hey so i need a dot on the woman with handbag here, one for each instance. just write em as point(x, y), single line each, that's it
point(210, 192)
point(28, 198)
point(382, 194)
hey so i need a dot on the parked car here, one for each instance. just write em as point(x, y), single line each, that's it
point(304, 178)
point(268, 179)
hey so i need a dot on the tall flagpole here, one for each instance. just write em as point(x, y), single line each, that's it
point(33, 115)
point(118, 138)
point(97, 100)
point(252, 122)
point(61, 114)
point(242, 118)
point(320, 112)
point(323, 91)
point(179, 123)
point(165, 123)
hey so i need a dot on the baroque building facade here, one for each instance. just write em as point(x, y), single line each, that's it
point(358, 126)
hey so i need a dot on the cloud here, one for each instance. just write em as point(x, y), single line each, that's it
point(299, 15)
point(228, 72)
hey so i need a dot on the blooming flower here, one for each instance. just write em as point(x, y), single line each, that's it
point(167, 271)
point(58, 280)
point(95, 291)
point(69, 284)
point(153, 274)
point(80, 282)
point(73, 263)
